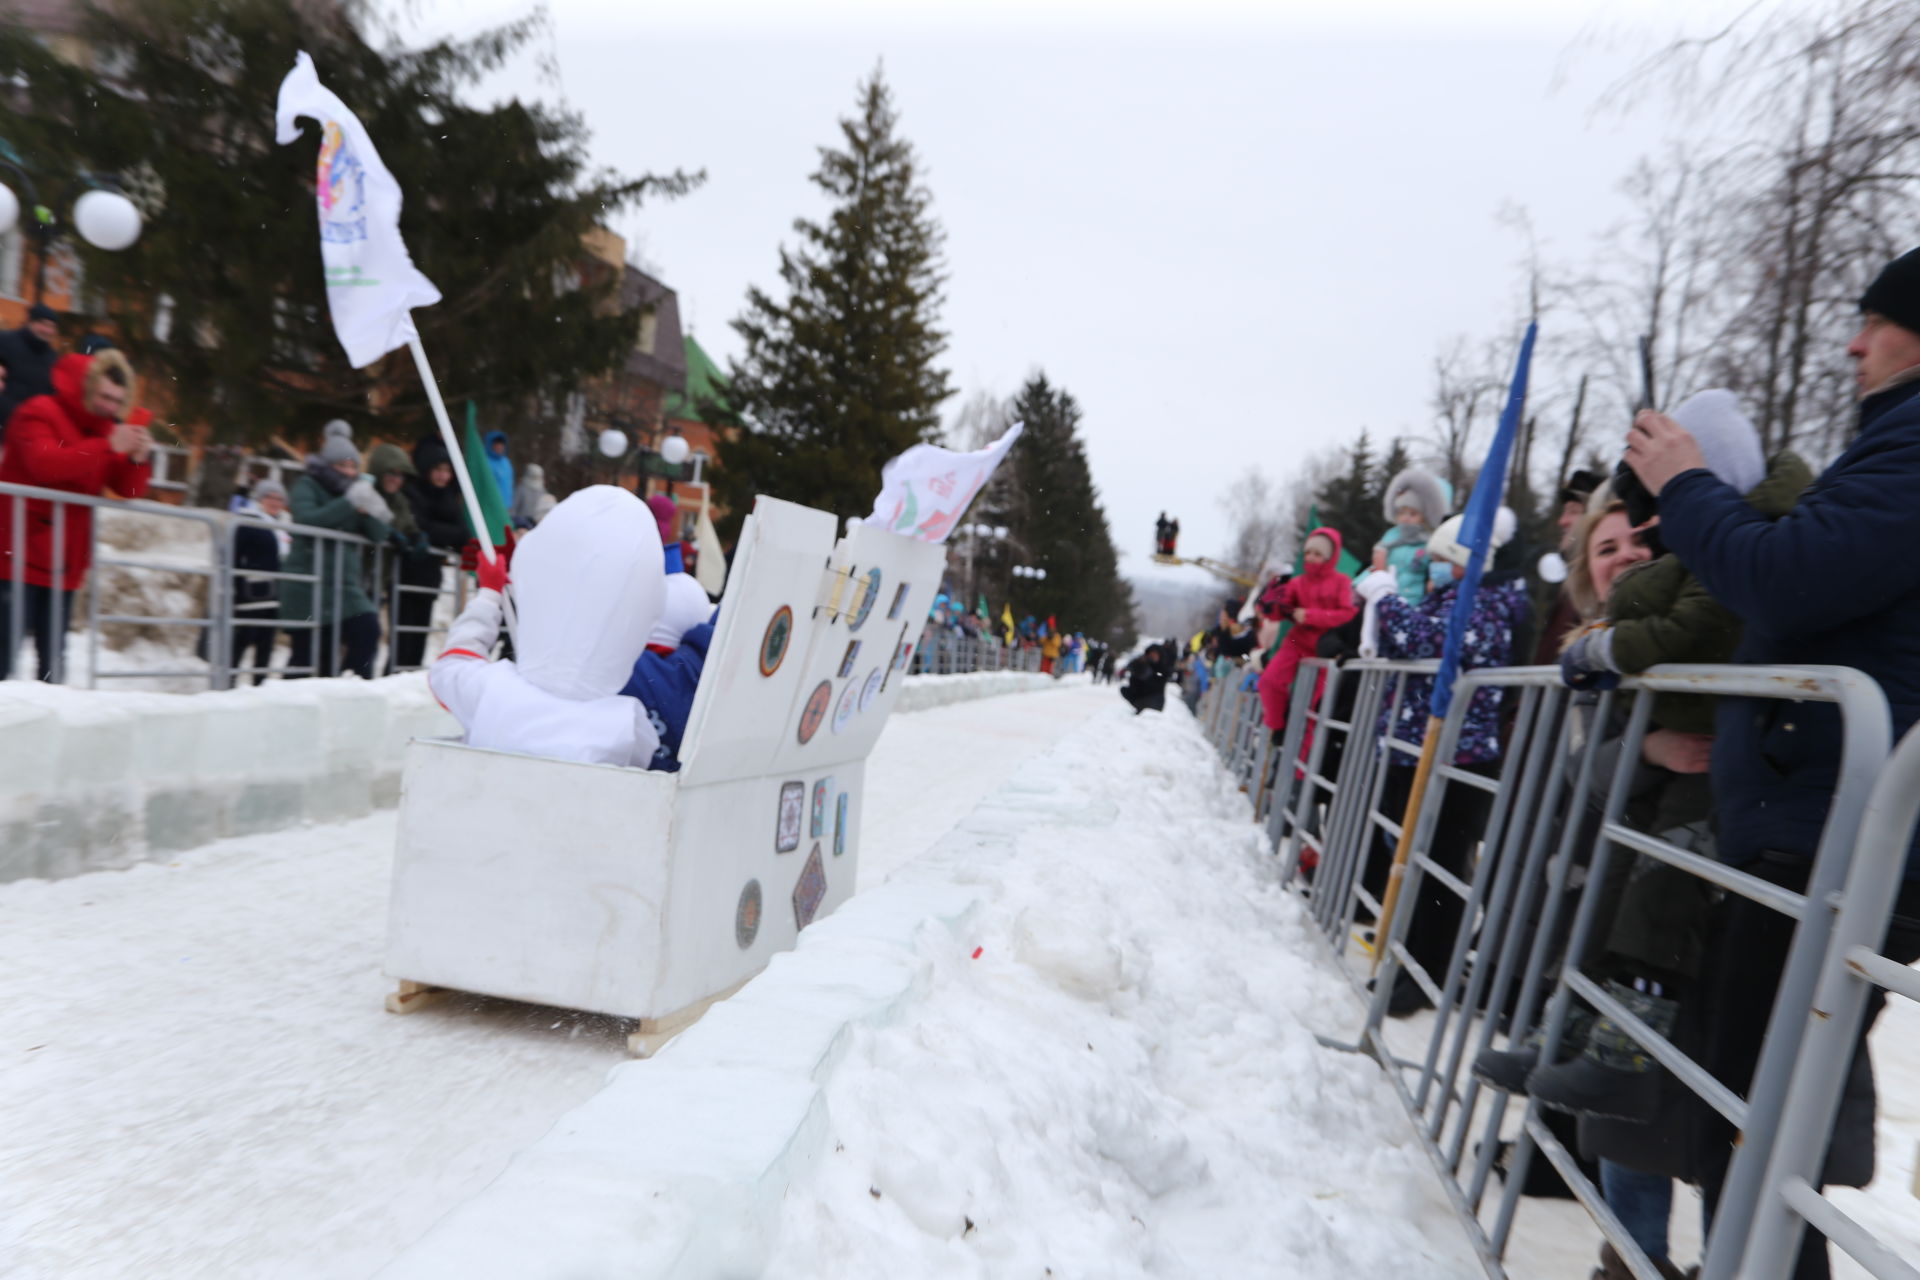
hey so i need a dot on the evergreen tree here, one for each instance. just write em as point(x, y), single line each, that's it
point(839, 377)
point(1350, 501)
point(221, 303)
point(1057, 523)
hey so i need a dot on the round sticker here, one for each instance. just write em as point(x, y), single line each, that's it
point(871, 689)
point(746, 916)
point(869, 593)
point(816, 711)
point(849, 697)
point(773, 646)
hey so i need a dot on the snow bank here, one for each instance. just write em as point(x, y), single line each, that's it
point(1069, 1040)
point(94, 781)
point(922, 692)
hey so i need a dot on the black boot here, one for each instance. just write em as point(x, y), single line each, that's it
point(1614, 1078)
point(1507, 1069)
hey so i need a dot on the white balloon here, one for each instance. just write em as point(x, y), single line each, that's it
point(674, 450)
point(613, 442)
point(9, 209)
point(106, 220)
point(1553, 567)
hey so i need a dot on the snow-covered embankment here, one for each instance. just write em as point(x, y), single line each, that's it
point(1072, 1040)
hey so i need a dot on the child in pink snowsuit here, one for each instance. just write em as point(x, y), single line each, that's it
point(1316, 600)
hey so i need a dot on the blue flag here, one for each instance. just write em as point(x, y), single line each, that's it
point(1476, 524)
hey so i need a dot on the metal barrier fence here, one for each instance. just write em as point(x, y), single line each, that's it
point(944, 653)
point(1543, 834)
point(41, 611)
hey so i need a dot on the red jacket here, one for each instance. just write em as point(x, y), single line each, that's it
point(54, 443)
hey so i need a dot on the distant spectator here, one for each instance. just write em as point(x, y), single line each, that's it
point(261, 544)
point(29, 354)
point(440, 514)
point(1049, 652)
point(500, 464)
point(333, 495)
point(1146, 686)
point(73, 440)
point(531, 501)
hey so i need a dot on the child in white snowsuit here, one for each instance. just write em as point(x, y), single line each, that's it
point(589, 583)
point(1416, 502)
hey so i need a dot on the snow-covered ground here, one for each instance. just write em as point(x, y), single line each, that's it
point(1108, 1069)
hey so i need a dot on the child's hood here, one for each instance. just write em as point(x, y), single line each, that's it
point(1418, 488)
point(589, 583)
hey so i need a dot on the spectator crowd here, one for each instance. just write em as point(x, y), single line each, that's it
point(1698, 548)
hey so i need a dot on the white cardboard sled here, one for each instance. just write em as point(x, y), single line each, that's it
point(648, 895)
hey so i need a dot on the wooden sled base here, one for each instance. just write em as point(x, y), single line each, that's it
point(648, 1037)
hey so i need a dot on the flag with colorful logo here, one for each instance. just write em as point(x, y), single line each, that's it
point(925, 491)
point(372, 283)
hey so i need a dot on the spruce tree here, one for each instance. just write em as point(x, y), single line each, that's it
point(1057, 523)
point(839, 376)
point(1349, 502)
point(221, 303)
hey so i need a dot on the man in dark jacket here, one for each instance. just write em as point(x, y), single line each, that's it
point(29, 354)
point(1146, 686)
point(439, 511)
point(1824, 584)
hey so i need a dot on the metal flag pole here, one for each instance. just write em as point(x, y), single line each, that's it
point(482, 534)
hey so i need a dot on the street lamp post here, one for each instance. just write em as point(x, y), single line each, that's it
point(104, 217)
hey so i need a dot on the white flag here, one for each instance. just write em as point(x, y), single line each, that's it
point(925, 491)
point(371, 282)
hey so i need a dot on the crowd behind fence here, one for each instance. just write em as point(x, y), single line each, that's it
point(199, 546)
point(1550, 838)
point(210, 623)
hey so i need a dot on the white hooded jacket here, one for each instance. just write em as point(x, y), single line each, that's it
point(589, 584)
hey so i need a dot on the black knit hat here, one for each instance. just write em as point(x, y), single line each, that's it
point(1580, 486)
point(41, 311)
point(1895, 292)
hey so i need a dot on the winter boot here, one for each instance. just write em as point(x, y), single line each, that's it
point(1507, 1069)
point(1614, 1079)
point(1614, 1267)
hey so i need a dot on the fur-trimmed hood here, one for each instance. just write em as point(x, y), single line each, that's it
point(1417, 487)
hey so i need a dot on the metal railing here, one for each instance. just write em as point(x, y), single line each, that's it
point(945, 652)
point(1545, 827)
point(42, 611)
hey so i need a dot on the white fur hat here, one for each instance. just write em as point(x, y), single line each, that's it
point(1726, 436)
point(1445, 543)
point(1420, 489)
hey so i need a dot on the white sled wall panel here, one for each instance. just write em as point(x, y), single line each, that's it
point(737, 710)
point(532, 879)
point(727, 838)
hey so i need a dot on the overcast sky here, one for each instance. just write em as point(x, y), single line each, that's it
point(1235, 235)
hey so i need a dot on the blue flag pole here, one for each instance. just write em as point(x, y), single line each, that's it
point(1476, 532)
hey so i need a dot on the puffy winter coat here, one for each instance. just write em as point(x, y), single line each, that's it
point(54, 443)
point(1661, 613)
point(665, 684)
point(1420, 631)
point(1326, 595)
point(588, 587)
point(1405, 546)
point(318, 498)
point(1829, 582)
point(30, 365)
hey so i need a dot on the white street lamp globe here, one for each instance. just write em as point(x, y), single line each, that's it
point(674, 450)
point(1040, 573)
point(9, 209)
point(1000, 531)
point(613, 442)
point(106, 220)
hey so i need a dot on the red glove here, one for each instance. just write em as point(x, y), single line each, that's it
point(470, 556)
point(493, 573)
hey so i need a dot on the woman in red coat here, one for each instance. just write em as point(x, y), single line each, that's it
point(1316, 600)
point(73, 440)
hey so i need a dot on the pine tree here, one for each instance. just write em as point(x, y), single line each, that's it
point(1349, 502)
point(840, 377)
point(221, 303)
point(1057, 523)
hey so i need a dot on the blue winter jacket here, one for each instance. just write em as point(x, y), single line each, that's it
point(665, 684)
point(1830, 583)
